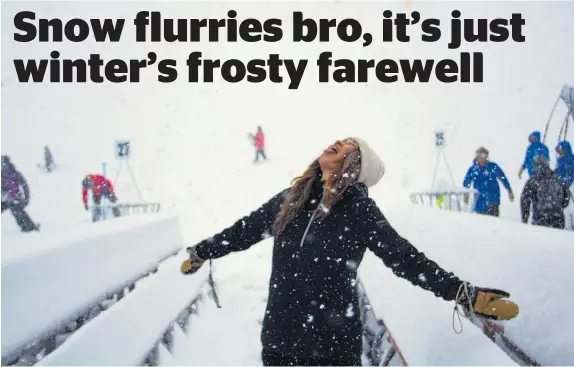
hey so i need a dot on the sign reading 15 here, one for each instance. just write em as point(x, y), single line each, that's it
point(123, 149)
point(439, 139)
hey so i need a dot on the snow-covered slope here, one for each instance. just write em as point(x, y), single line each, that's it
point(190, 148)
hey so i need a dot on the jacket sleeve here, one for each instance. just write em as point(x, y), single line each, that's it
point(527, 156)
point(468, 178)
point(502, 177)
point(24, 184)
point(110, 188)
point(401, 256)
point(566, 194)
point(526, 199)
point(85, 196)
point(244, 233)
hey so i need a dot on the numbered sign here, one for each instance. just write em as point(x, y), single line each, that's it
point(439, 139)
point(123, 149)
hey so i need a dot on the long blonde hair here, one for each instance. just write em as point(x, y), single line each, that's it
point(335, 186)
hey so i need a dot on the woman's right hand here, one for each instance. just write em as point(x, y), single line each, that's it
point(193, 263)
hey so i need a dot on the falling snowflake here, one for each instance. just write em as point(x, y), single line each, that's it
point(350, 312)
point(322, 306)
point(352, 265)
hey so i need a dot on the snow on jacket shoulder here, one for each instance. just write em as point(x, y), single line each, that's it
point(565, 164)
point(313, 307)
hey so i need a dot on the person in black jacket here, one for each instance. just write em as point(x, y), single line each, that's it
point(547, 193)
point(322, 226)
point(16, 195)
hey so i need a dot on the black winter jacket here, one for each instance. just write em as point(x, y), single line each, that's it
point(549, 195)
point(312, 309)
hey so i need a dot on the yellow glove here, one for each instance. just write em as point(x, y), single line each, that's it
point(191, 265)
point(486, 302)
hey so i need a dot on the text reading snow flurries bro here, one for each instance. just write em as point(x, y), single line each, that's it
point(151, 28)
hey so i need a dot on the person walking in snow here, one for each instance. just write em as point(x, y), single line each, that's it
point(484, 176)
point(48, 159)
point(100, 186)
point(322, 226)
point(16, 195)
point(548, 195)
point(565, 162)
point(259, 142)
point(535, 149)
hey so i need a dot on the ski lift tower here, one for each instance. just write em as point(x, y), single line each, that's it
point(566, 95)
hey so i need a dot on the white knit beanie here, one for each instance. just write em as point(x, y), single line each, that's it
point(372, 167)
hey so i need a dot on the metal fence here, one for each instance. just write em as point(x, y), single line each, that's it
point(459, 201)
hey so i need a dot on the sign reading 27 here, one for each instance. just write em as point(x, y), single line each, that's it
point(123, 149)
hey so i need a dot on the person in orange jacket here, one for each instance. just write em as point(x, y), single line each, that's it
point(100, 186)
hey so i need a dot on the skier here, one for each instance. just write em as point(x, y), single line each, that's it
point(16, 195)
point(48, 159)
point(484, 175)
point(259, 143)
point(100, 186)
point(565, 162)
point(322, 226)
point(547, 193)
point(535, 148)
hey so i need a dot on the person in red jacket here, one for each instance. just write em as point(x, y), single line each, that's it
point(259, 144)
point(100, 186)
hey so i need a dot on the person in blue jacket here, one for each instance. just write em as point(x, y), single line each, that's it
point(565, 162)
point(484, 176)
point(535, 149)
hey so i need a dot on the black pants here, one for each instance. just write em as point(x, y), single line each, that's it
point(22, 218)
point(271, 358)
point(259, 152)
point(97, 210)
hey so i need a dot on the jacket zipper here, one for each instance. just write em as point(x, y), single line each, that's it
point(311, 221)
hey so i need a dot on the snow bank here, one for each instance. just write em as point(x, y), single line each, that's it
point(137, 322)
point(56, 276)
point(533, 264)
